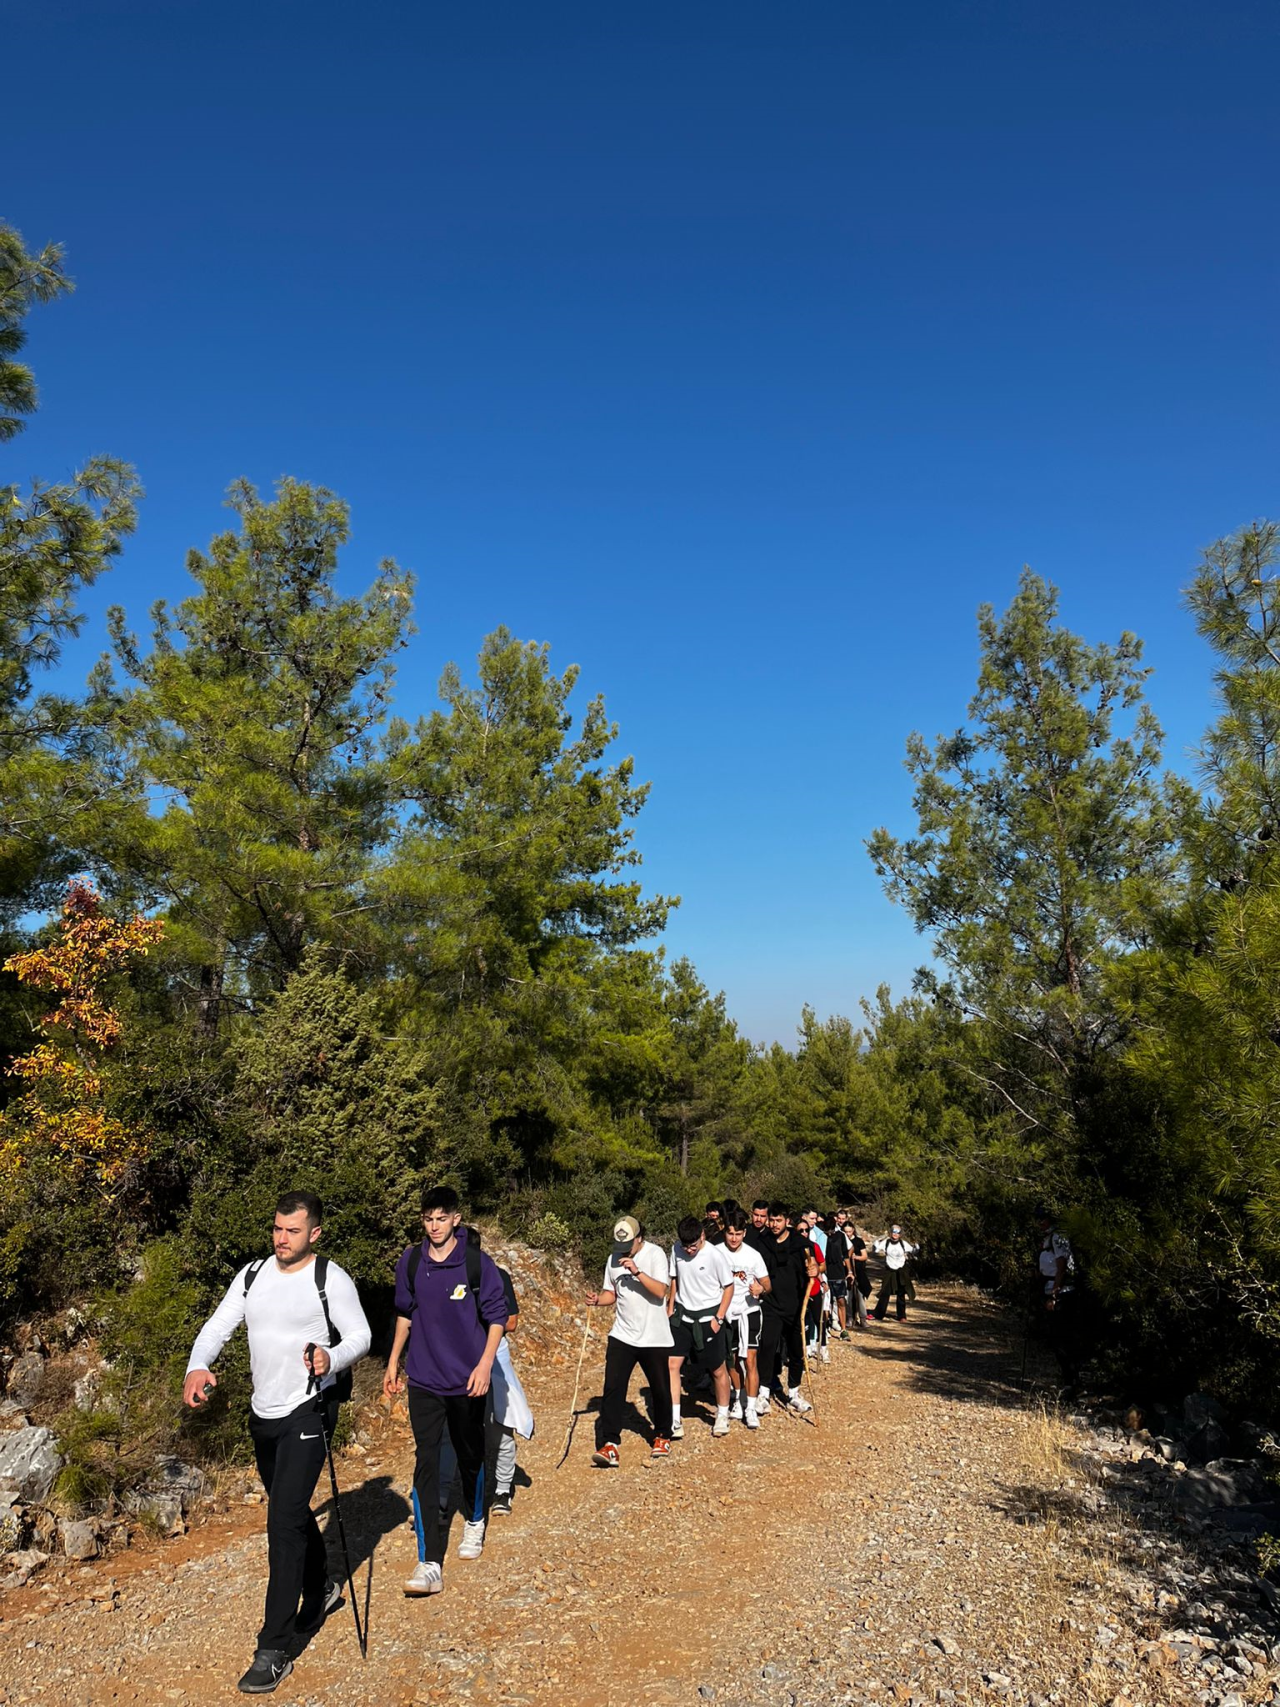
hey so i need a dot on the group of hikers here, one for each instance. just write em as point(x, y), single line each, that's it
point(738, 1307)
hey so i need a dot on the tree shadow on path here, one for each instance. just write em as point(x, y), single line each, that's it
point(963, 1349)
point(1121, 1508)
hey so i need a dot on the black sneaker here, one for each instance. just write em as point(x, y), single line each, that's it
point(312, 1614)
point(501, 1503)
point(269, 1669)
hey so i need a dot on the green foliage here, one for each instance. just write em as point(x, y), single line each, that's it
point(1204, 999)
point(322, 1099)
point(424, 954)
point(253, 716)
point(58, 777)
point(1042, 847)
point(25, 280)
point(145, 1336)
point(549, 1233)
point(57, 1242)
point(92, 1473)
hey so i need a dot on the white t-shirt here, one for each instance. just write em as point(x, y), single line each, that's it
point(894, 1251)
point(701, 1278)
point(283, 1315)
point(747, 1265)
point(1053, 1246)
point(640, 1316)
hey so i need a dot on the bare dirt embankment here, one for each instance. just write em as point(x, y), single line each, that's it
point(934, 1539)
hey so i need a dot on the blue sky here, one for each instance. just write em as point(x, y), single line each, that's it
point(737, 351)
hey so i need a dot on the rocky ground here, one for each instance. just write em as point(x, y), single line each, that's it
point(937, 1537)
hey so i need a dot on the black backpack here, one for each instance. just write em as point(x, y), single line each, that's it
point(341, 1388)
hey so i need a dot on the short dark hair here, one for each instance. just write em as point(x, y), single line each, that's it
point(292, 1201)
point(779, 1209)
point(761, 1203)
point(737, 1219)
point(441, 1197)
point(714, 1208)
point(690, 1230)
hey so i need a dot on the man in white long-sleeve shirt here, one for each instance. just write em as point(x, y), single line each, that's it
point(287, 1305)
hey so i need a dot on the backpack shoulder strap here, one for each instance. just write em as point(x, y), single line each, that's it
point(415, 1260)
point(322, 1275)
point(471, 1258)
point(251, 1274)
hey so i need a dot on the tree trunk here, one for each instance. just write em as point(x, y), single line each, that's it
point(209, 1004)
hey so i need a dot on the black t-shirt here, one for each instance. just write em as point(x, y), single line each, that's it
point(762, 1240)
point(837, 1252)
point(790, 1277)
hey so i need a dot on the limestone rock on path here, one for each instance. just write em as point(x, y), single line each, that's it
point(925, 1543)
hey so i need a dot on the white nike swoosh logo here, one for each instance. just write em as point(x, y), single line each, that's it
point(308, 1437)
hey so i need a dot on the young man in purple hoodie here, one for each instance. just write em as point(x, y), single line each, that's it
point(451, 1312)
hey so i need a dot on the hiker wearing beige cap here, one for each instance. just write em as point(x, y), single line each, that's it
point(635, 1283)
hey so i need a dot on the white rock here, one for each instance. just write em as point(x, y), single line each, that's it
point(30, 1459)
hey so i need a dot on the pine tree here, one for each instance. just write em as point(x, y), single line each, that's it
point(1205, 1001)
point(56, 771)
point(507, 902)
point(1043, 848)
point(252, 718)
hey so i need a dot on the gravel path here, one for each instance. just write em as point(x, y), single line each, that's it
point(933, 1539)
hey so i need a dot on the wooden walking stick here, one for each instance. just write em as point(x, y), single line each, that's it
point(804, 1352)
point(573, 1408)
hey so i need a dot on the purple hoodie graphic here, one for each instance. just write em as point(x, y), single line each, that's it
point(445, 1340)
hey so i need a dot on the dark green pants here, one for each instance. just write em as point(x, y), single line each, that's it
point(893, 1285)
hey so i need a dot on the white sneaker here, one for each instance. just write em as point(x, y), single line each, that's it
point(798, 1400)
point(677, 1428)
point(825, 1354)
point(472, 1544)
point(735, 1408)
point(762, 1403)
point(749, 1415)
point(426, 1579)
point(721, 1425)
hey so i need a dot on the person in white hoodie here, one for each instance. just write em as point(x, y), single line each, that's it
point(896, 1253)
point(508, 1418)
point(306, 1328)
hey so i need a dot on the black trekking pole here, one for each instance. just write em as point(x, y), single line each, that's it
point(337, 1504)
point(1026, 1346)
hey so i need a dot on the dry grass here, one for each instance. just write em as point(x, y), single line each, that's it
point(1057, 1495)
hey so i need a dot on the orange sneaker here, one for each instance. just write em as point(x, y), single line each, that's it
point(661, 1447)
point(606, 1457)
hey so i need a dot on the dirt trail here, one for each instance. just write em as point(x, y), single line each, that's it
point(884, 1555)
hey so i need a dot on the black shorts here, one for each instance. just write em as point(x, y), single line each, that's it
point(714, 1354)
point(746, 1331)
point(838, 1288)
